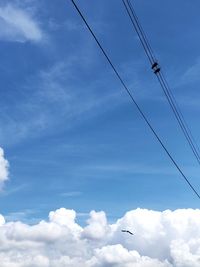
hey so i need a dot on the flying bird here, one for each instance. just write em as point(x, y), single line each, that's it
point(126, 231)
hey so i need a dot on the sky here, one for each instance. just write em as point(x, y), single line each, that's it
point(72, 143)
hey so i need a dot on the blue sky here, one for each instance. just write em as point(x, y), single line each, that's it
point(69, 131)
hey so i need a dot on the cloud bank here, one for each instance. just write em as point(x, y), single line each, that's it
point(161, 239)
point(18, 25)
point(3, 169)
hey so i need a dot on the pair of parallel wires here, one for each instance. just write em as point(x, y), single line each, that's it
point(161, 79)
point(135, 102)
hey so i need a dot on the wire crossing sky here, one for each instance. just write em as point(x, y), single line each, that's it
point(68, 137)
point(138, 108)
point(82, 181)
point(163, 83)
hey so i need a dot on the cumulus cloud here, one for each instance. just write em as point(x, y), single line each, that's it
point(161, 239)
point(97, 227)
point(3, 169)
point(18, 25)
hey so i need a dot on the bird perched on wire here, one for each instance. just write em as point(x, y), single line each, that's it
point(126, 231)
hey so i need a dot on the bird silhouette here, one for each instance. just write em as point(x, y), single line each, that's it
point(127, 231)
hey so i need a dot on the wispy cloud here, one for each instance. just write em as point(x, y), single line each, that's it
point(54, 98)
point(187, 94)
point(26, 216)
point(191, 75)
point(131, 168)
point(71, 194)
point(18, 25)
point(14, 190)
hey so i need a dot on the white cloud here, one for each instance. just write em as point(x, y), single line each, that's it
point(97, 227)
point(71, 194)
point(52, 101)
point(191, 74)
point(3, 168)
point(18, 25)
point(2, 220)
point(161, 239)
point(117, 255)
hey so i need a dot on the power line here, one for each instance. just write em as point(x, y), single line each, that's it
point(161, 79)
point(138, 30)
point(165, 87)
point(134, 101)
point(179, 117)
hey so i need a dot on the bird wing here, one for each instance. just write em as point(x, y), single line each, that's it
point(126, 231)
point(130, 232)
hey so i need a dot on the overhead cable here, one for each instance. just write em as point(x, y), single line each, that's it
point(161, 79)
point(135, 103)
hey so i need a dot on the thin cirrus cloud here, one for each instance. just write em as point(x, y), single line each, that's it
point(71, 194)
point(131, 168)
point(50, 99)
point(191, 75)
point(161, 239)
point(18, 25)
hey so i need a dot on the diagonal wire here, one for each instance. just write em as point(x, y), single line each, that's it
point(161, 79)
point(134, 102)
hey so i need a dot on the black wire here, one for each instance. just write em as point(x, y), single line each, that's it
point(141, 31)
point(171, 100)
point(178, 116)
point(163, 83)
point(134, 101)
point(181, 115)
point(140, 37)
